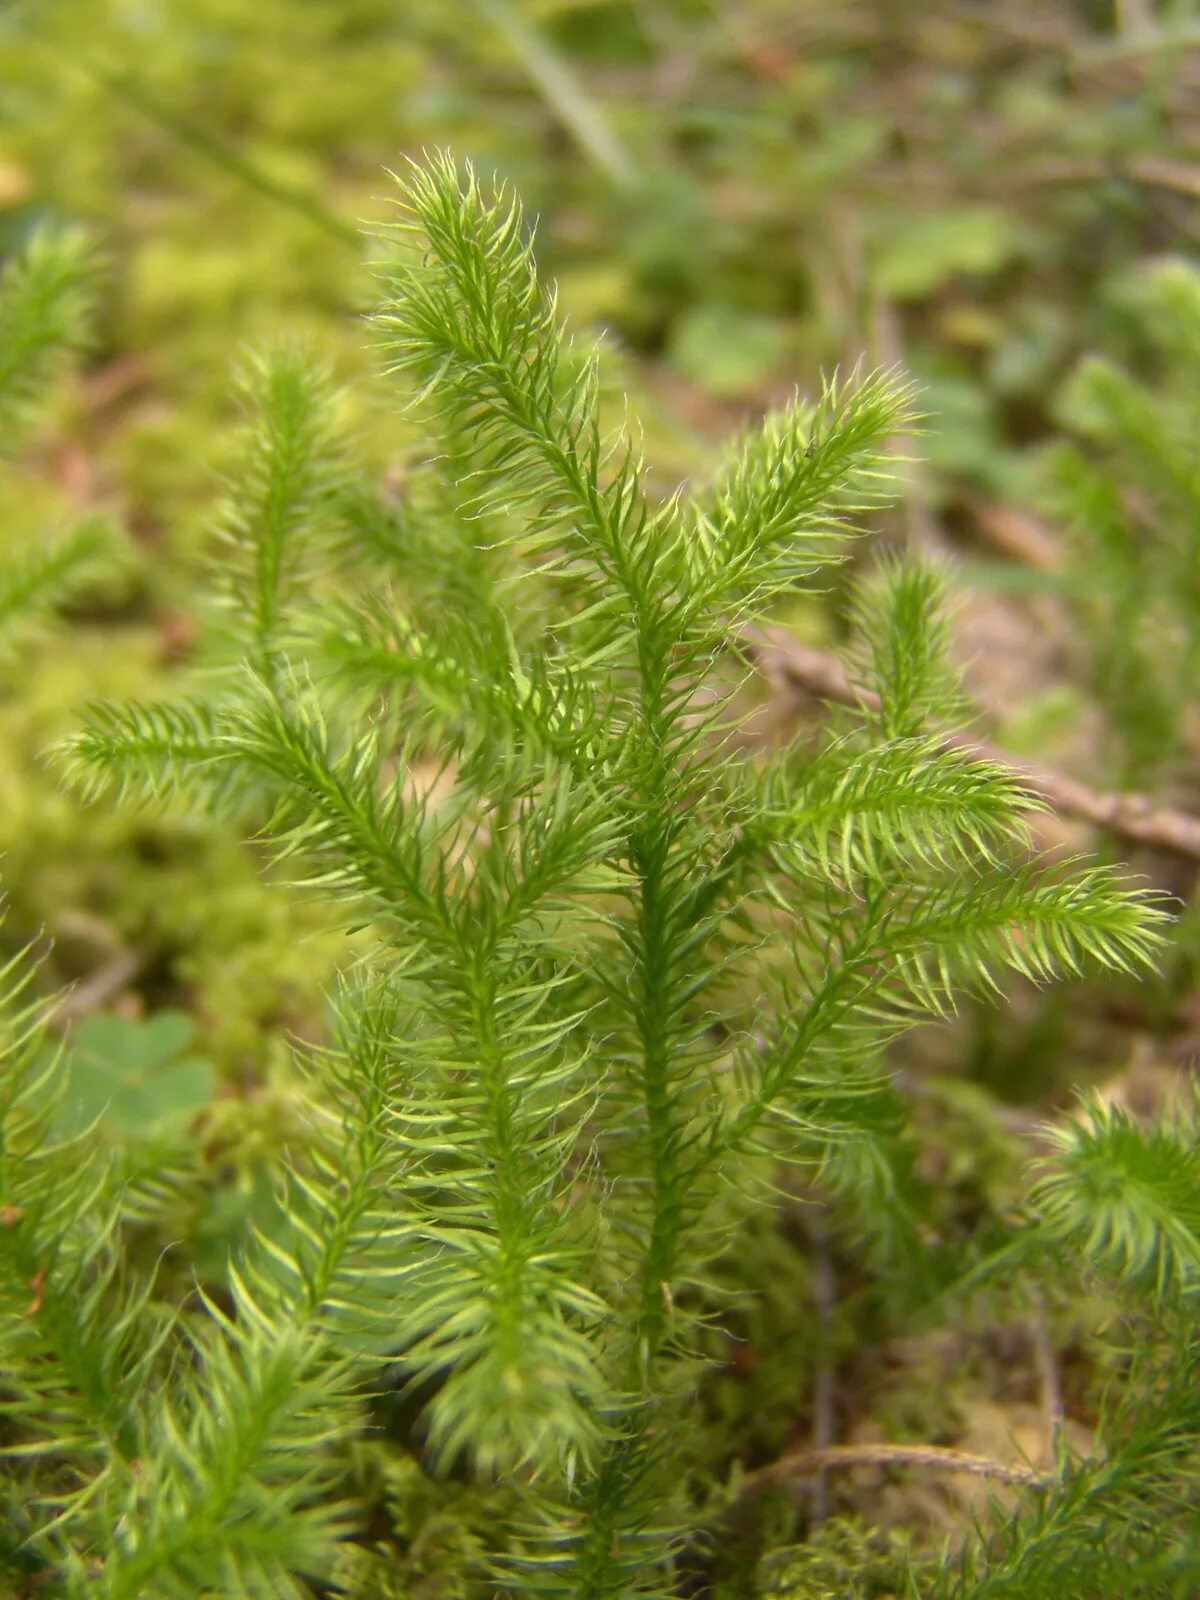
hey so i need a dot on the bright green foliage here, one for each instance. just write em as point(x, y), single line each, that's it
point(842, 1559)
point(279, 502)
point(1127, 1199)
point(1129, 491)
point(1121, 1523)
point(779, 505)
point(902, 650)
point(621, 969)
point(1122, 1201)
point(82, 1340)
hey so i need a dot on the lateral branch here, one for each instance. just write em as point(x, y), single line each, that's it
point(804, 671)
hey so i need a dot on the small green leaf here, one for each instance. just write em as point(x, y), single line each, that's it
point(133, 1075)
point(728, 352)
point(922, 253)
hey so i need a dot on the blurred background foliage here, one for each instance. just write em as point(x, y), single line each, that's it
point(743, 193)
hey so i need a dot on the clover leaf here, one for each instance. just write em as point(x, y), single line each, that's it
point(133, 1074)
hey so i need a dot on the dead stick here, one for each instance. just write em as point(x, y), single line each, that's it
point(1047, 1367)
point(1153, 172)
point(806, 1463)
point(1018, 534)
point(1130, 816)
point(97, 990)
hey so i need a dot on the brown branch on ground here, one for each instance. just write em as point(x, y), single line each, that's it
point(98, 989)
point(1017, 534)
point(1136, 817)
point(1047, 1367)
point(807, 1463)
point(1153, 172)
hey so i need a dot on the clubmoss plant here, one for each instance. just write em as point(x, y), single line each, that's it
point(623, 968)
point(1116, 1204)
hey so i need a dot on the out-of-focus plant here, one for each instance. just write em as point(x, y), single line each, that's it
point(45, 296)
point(1127, 489)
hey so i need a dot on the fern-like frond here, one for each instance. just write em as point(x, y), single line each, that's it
point(466, 317)
point(476, 691)
point(1040, 922)
point(347, 1235)
point(366, 838)
point(615, 1539)
point(488, 1281)
point(900, 649)
point(283, 499)
point(900, 957)
point(150, 753)
point(81, 1338)
point(45, 304)
point(1125, 1198)
point(783, 502)
point(862, 809)
point(490, 1100)
point(236, 1490)
point(1120, 1523)
point(33, 581)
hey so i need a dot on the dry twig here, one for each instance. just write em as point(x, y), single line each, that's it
point(1047, 1365)
point(807, 1463)
point(1153, 172)
point(1018, 534)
